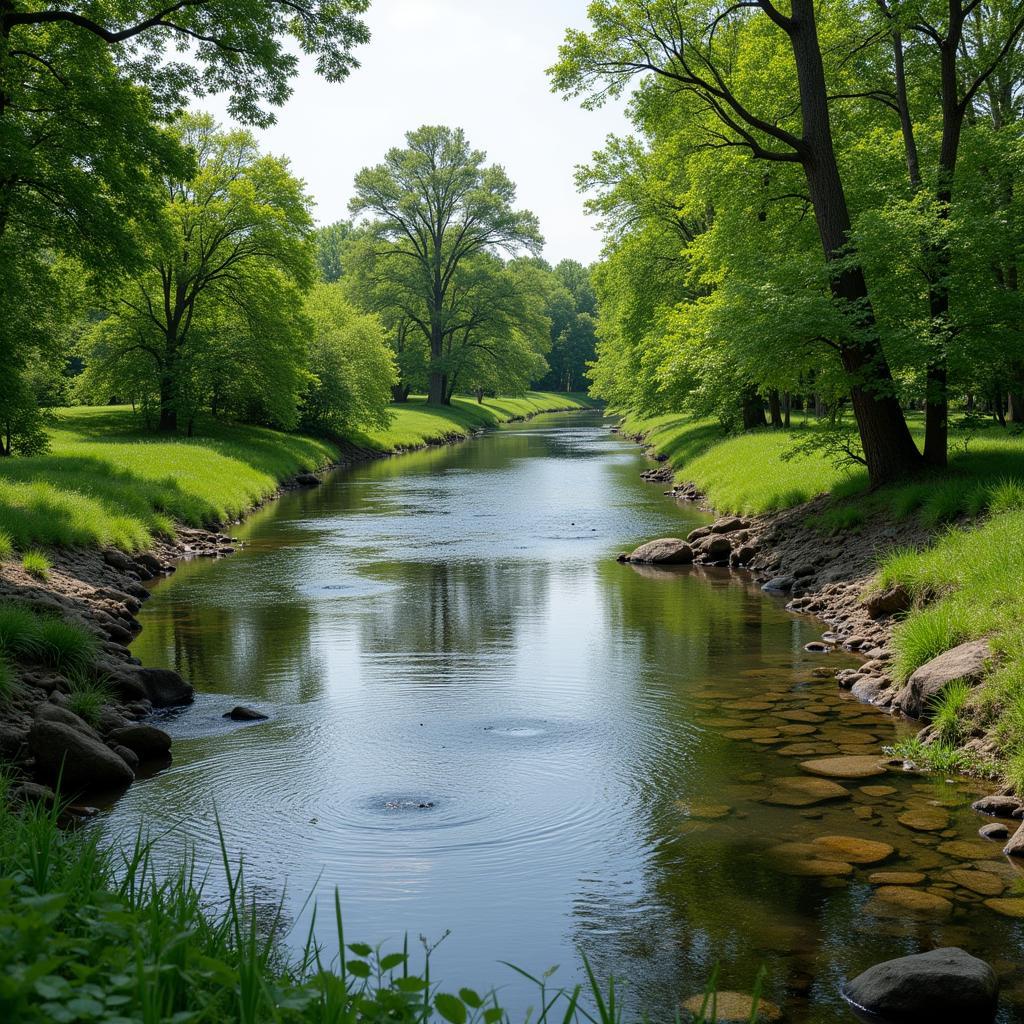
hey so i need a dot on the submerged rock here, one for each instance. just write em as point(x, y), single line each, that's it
point(241, 713)
point(732, 1008)
point(846, 766)
point(944, 986)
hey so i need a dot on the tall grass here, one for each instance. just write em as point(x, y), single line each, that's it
point(19, 631)
point(88, 697)
point(66, 646)
point(92, 934)
point(6, 546)
point(37, 565)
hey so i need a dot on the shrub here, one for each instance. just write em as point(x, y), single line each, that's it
point(66, 646)
point(36, 564)
point(19, 631)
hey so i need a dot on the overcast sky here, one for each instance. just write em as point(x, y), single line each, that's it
point(474, 64)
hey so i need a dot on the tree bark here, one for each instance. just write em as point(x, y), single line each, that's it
point(753, 410)
point(775, 407)
point(168, 414)
point(889, 450)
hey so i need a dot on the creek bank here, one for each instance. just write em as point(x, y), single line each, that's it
point(102, 590)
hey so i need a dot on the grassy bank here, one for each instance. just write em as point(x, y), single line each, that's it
point(965, 584)
point(106, 481)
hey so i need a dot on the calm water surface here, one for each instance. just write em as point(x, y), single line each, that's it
point(480, 722)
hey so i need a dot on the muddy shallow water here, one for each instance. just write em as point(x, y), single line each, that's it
point(480, 722)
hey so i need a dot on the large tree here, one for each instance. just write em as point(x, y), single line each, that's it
point(217, 309)
point(690, 47)
point(433, 205)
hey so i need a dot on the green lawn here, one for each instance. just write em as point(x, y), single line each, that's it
point(106, 481)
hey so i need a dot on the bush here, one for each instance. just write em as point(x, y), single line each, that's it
point(66, 646)
point(37, 565)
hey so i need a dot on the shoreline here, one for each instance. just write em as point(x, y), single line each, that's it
point(103, 589)
point(827, 575)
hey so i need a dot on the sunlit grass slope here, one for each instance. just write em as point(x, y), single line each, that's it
point(107, 481)
point(414, 423)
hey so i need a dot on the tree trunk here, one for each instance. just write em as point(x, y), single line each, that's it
point(753, 410)
point(787, 403)
point(889, 450)
point(168, 414)
point(775, 407)
point(399, 393)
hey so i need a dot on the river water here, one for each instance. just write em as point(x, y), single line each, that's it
point(480, 724)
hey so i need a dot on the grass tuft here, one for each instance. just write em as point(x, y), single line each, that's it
point(949, 713)
point(6, 547)
point(37, 565)
point(19, 631)
point(88, 697)
point(925, 635)
point(66, 646)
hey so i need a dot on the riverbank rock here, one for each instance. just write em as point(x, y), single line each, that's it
point(732, 1008)
point(164, 687)
point(888, 602)
point(1015, 847)
point(241, 713)
point(967, 662)
point(997, 805)
point(78, 760)
point(145, 741)
point(944, 986)
point(664, 551)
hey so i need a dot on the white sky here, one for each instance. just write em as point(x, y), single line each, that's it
point(474, 64)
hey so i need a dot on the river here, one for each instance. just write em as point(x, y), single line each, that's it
point(480, 724)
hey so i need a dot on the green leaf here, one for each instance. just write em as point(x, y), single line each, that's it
point(361, 949)
point(392, 960)
point(470, 998)
point(450, 1007)
point(410, 984)
point(360, 968)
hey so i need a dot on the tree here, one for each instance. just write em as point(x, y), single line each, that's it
point(434, 205)
point(216, 316)
point(330, 244)
point(690, 48)
point(351, 366)
point(572, 310)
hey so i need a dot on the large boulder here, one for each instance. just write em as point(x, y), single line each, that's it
point(1015, 847)
point(145, 741)
point(164, 687)
point(715, 548)
point(50, 712)
point(967, 662)
point(664, 551)
point(944, 986)
point(79, 761)
point(728, 524)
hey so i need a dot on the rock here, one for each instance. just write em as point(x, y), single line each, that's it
point(1007, 907)
point(889, 602)
point(897, 877)
point(967, 662)
point(745, 554)
point(307, 480)
point(924, 819)
point(147, 741)
point(878, 791)
point(847, 766)
point(715, 547)
point(994, 830)
point(804, 792)
point(241, 713)
point(151, 563)
point(701, 531)
point(1015, 847)
point(997, 805)
point(815, 867)
point(732, 1008)
point(54, 713)
point(869, 689)
point(164, 687)
point(129, 757)
point(664, 551)
point(817, 647)
point(854, 850)
point(32, 793)
point(12, 741)
point(981, 882)
point(79, 760)
point(964, 849)
point(905, 901)
point(943, 986)
point(118, 559)
point(728, 524)
point(109, 720)
point(778, 585)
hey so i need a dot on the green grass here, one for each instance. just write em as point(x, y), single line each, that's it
point(37, 565)
point(105, 481)
point(6, 547)
point(66, 646)
point(88, 697)
point(415, 424)
point(89, 933)
point(949, 712)
point(19, 631)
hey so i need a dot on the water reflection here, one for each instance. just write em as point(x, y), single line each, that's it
point(480, 721)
